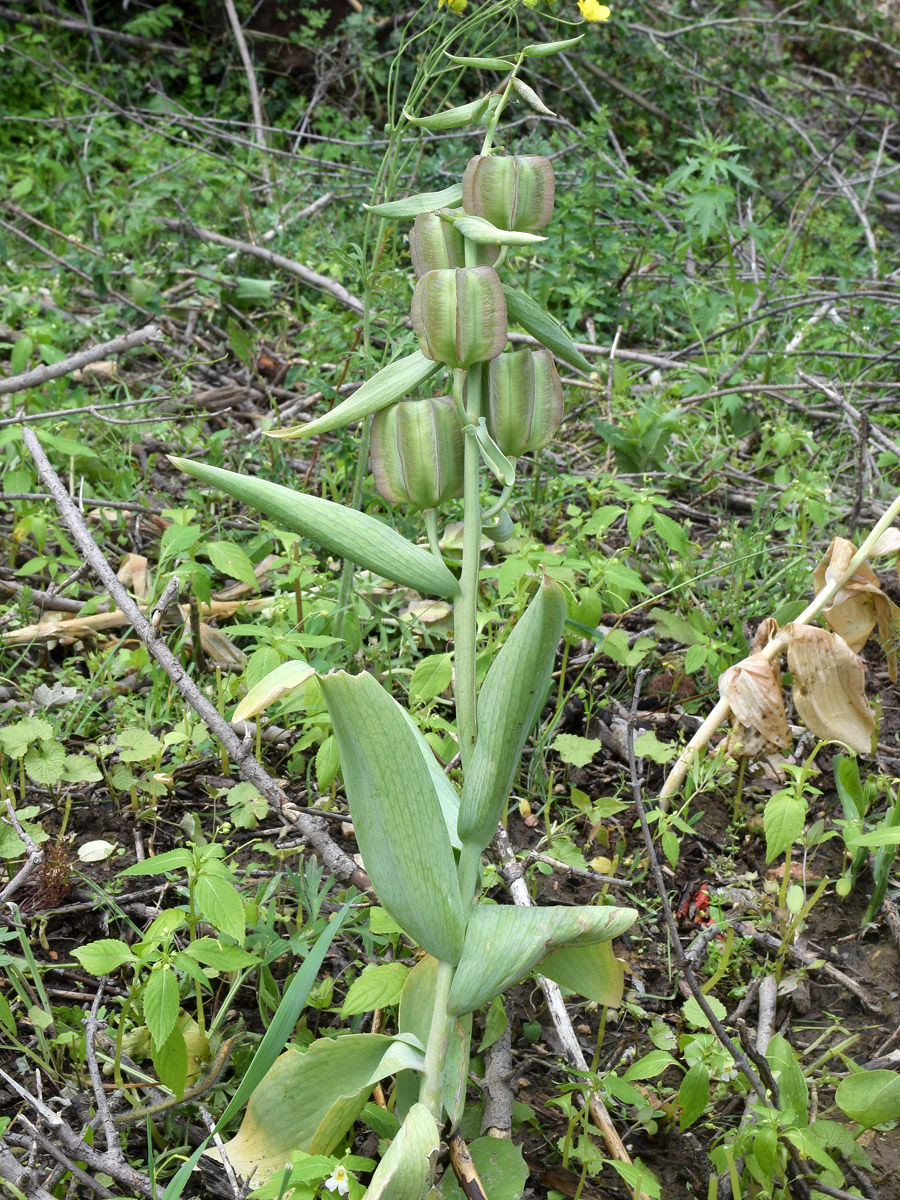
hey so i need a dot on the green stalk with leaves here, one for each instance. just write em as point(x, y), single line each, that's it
point(421, 838)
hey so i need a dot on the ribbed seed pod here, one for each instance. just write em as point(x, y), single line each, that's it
point(516, 192)
point(416, 450)
point(435, 245)
point(460, 315)
point(525, 401)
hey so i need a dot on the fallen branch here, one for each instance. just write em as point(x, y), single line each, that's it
point(312, 830)
point(255, 103)
point(41, 375)
point(313, 278)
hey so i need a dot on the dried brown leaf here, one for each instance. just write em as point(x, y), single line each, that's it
point(134, 573)
point(764, 634)
point(753, 690)
point(830, 687)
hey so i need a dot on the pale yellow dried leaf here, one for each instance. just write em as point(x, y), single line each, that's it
point(218, 649)
point(860, 604)
point(830, 687)
point(764, 634)
point(888, 543)
point(753, 690)
point(134, 573)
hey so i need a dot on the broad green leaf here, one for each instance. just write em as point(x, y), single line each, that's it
point(12, 846)
point(651, 1064)
point(870, 1097)
point(396, 812)
point(639, 1178)
point(402, 1173)
point(391, 383)
point(422, 202)
point(592, 971)
point(44, 762)
point(170, 1062)
point(104, 956)
point(693, 1095)
point(574, 750)
point(648, 745)
point(213, 953)
point(414, 1017)
point(783, 822)
point(792, 1089)
point(694, 1014)
point(81, 768)
point(232, 561)
point(342, 531)
point(272, 687)
point(307, 1102)
point(504, 943)
point(280, 1028)
point(526, 312)
point(219, 903)
point(510, 700)
point(138, 745)
point(495, 1024)
point(328, 763)
point(431, 676)
point(15, 739)
point(878, 837)
point(161, 1004)
point(500, 1166)
point(160, 864)
point(379, 985)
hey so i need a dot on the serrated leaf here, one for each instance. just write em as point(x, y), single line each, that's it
point(170, 1061)
point(232, 561)
point(531, 98)
point(44, 762)
point(505, 943)
point(104, 956)
point(138, 745)
point(574, 750)
point(161, 1003)
point(379, 985)
point(694, 1014)
point(213, 953)
point(16, 738)
point(342, 531)
point(431, 676)
point(160, 864)
point(648, 745)
point(396, 812)
point(219, 903)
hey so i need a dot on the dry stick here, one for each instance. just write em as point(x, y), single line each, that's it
point(258, 123)
point(511, 871)
point(333, 857)
point(42, 375)
point(91, 1027)
point(12, 1171)
point(464, 1168)
point(322, 282)
point(34, 852)
point(93, 409)
point(771, 651)
point(795, 1168)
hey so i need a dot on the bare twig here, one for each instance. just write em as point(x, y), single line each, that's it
point(313, 278)
point(336, 861)
point(41, 375)
point(256, 104)
point(35, 856)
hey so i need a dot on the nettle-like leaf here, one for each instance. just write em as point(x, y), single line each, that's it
point(504, 944)
point(308, 1101)
point(829, 687)
point(379, 985)
point(396, 812)
point(342, 531)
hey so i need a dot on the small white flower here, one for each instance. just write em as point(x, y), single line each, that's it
point(338, 1181)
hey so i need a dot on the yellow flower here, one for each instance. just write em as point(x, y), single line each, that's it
point(591, 10)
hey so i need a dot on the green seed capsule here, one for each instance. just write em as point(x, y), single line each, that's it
point(525, 401)
point(417, 452)
point(436, 244)
point(515, 192)
point(460, 315)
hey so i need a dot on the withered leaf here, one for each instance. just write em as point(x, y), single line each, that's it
point(830, 687)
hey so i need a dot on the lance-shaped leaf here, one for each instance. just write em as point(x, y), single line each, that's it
point(389, 384)
point(829, 687)
point(502, 468)
point(542, 49)
point(483, 233)
point(511, 698)
point(526, 312)
point(444, 789)
point(591, 971)
point(504, 944)
point(402, 1173)
point(342, 531)
point(309, 1101)
point(274, 686)
point(396, 813)
point(475, 113)
point(422, 202)
point(860, 604)
point(414, 1020)
point(753, 690)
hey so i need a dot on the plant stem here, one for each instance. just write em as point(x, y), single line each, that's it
point(438, 1039)
point(469, 862)
point(465, 609)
